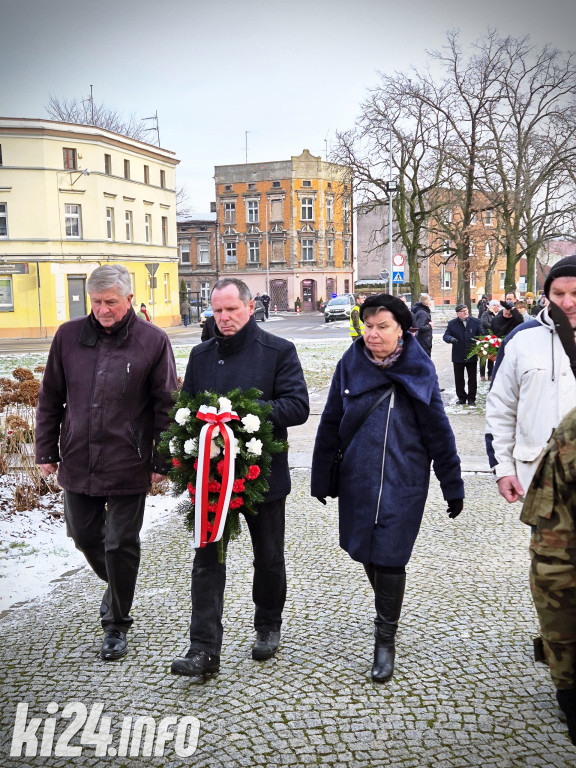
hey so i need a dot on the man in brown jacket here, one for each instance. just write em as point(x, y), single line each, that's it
point(105, 399)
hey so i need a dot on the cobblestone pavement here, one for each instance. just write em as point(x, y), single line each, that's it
point(466, 691)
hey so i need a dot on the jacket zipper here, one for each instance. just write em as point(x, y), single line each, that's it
point(384, 457)
point(126, 375)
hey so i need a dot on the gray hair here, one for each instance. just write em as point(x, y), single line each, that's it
point(243, 290)
point(425, 297)
point(110, 276)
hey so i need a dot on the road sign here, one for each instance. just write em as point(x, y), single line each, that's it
point(152, 269)
point(398, 276)
point(385, 275)
point(398, 260)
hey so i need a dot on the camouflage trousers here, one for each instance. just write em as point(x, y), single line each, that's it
point(553, 585)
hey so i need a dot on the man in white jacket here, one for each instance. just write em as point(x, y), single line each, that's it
point(532, 387)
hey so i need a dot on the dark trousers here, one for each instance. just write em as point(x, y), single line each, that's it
point(268, 586)
point(482, 361)
point(106, 529)
point(470, 367)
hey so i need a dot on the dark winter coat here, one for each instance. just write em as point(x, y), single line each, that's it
point(462, 336)
point(422, 315)
point(502, 326)
point(254, 358)
point(104, 400)
point(385, 471)
point(486, 321)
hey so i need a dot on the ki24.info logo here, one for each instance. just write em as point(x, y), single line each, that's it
point(137, 736)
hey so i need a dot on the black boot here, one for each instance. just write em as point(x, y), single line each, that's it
point(567, 701)
point(388, 596)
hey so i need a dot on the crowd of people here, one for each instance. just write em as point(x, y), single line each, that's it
point(107, 395)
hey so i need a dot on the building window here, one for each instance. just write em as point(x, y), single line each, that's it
point(253, 251)
point(488, 218)
point(203, 252)
point(3, 219)
point(346, 250)
point(231, 253)
point(148, 227)
point(346, 286)
point(126, 169)
point(307, 208)
point(70, 159)
point(487, 252)
point(205, 291)
point(163, 179)
point(252, 211)
point(473, 219)
point(6, 294)
point(448, 215)
point(329, 209)
point(275, 183)
point(228, 187)
point(307, 250)
point(166, 286)
point(1, 154)
point(346, 211)
point(185, 253)
point(445, 279)
point(229, 213)
point(164, 230)
point(73, 221)
point(329, 250)
point(108, 165)
point(306, 183)
point(110, 223)
point(502, 280)
point(251, 185)
point(128, 219)
point(146, 174)
point(472, 279)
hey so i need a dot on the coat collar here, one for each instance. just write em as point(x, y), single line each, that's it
point(92, 331)
point(229, 345)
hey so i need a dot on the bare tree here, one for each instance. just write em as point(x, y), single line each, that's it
point(88, 112)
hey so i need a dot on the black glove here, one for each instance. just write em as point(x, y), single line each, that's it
point(455, 506)
point(321, 499)
point(507, 304)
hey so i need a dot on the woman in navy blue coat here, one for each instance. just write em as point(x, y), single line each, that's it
point(385, 471)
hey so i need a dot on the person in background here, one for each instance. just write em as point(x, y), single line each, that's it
point(533, 389)
point(385, 405)
point(105, 398)
point(266, 301)
point(185, 312)
point(461, 333)
point(522, 308)
point(356, 325)
point(422, 319)
point(143, 313)
point(486, 323)
point(482, 306)
point(242, 355)
point(506, 320)
point(530, 304)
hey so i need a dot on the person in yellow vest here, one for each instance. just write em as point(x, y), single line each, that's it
point(356, 325)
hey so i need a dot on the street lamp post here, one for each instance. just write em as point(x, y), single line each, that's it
point(267, 252)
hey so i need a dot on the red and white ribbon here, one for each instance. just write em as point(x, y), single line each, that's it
point(213, 419)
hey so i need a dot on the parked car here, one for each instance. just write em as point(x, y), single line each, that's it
point(339, 308)
point(206, 312)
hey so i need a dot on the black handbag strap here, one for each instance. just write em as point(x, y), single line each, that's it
point(381, 399)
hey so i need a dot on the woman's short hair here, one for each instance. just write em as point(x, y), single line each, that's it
point(110, 276)
point(243, 290)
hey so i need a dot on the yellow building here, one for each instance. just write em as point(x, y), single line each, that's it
point(74, 197)
point(285, 228)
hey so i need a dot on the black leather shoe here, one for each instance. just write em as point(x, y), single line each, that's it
point(383, 667)
point(196, 664)
point(266, 645)
point(114, 646)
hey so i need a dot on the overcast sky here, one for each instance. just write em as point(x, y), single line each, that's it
point(290, 72)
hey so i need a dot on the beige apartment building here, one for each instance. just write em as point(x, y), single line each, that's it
point(74, 197)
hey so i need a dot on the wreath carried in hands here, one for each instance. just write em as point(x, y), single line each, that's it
point(221, 447)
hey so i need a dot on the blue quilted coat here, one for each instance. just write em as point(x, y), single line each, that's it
point(385, 471)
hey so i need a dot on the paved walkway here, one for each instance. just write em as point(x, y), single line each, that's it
point(466, 692)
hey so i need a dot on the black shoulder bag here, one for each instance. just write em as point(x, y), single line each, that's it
point(334, 480)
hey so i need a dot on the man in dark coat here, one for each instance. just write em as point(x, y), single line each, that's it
point(461, 332)
point(105, 399)
point(506, 320)
point(423, 322)
point(242, 355)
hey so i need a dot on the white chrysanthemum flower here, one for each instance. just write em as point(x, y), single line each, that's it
point(224, 404)
point(254, 446)
point(182, 415)
point(191, 446)
point(174, 447)
point(216, 432)
point(234, 446)
point(251, 423)
point(214, 450)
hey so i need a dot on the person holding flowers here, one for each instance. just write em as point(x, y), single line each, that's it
point(241, 357)
point(384, 414)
